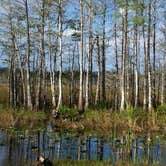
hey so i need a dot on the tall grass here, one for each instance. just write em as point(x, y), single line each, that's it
point(22, 119)
point(131, 119)
point(3, 94)
point(98, 163)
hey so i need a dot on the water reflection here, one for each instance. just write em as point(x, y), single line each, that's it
point(23, 147)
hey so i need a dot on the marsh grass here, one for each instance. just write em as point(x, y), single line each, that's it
point(4, 94)
point(80, 163)
point(98, 163)
point(135, 120)
point(22, 119)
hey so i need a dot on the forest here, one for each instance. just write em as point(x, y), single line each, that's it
point(83, 65)
point(83, 53)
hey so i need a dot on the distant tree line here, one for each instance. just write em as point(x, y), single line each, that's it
point(57, 53)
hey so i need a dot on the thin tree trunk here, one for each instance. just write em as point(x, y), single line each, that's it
point(145, 66)
point(136, 62)
point(148, 58)
point(163, 80)
point(122, 104)
point(89, 57)
point(97, 98)
point(10, 81)
point(124, 55)
point(29, 102)
point(72, 76)
point(43, 81)
point(103, 95)
point(38, 91)
point(52, 72)
point(116, 57)
point(154, 54)
point(60, 55)
point(22, 73)
point(80, 103)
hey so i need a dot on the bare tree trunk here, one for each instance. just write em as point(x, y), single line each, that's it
point(12, 75)
point(14, 81)
point(60, 55)
point(97, 98)
point(22, 73)
point(145, 66)
point(52, 72)
point(29, 102)
point(43, 80)
point(162, 86)
point(136, 62)
point(124, 55)
point(116, 57)
point(127, 73)
point(163, 80)
point(38, 88)
point(10, 81)
point(89, 57)
point(80, 103)
point(154, 53)
point(122, 104)
point(103, 95)
point(72, 76)
point(41, 89)
point(148, 58)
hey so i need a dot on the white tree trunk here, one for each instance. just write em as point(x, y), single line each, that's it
point(124, 54)
point(162, 84)
point(80, 103)
point(29, 102)
point(52, 73)
point(60, 55)
point(148, 58)
point(22, 74)
point(136, 66)
point(89, 56)
point(99, 71)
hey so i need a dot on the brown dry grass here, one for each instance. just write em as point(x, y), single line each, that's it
point(105, 121)
point(3, 94)
point(22, 119)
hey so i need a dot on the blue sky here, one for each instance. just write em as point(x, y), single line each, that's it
point(72, 11)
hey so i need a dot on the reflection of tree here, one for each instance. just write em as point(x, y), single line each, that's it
point(10, 147)
point(101, 148)
point(79, 148)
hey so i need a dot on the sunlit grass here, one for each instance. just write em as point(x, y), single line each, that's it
point(22, 119)
point(3, 94)
point(136, 120)
point(98, 163)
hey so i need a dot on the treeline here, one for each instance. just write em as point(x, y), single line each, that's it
point(44, 39)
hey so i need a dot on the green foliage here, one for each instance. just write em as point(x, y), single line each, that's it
point(162, 109)
point(81, 163)
point(139, 20)
point(129, 112)
point(102, 105)
point(66, 112)
point(117, 15)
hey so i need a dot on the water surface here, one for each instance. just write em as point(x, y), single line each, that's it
point(19, 147)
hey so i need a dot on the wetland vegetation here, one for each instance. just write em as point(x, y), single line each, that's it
point(83, 82)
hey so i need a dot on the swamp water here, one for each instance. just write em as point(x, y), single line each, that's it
point(20, 147)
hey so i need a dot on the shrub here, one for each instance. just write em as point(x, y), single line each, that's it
point(66, 112)
point(103, 105)
point(162, 109)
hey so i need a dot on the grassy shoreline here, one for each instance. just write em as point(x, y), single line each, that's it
point(101, 121)
point(22, 119)
point(98, 163)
